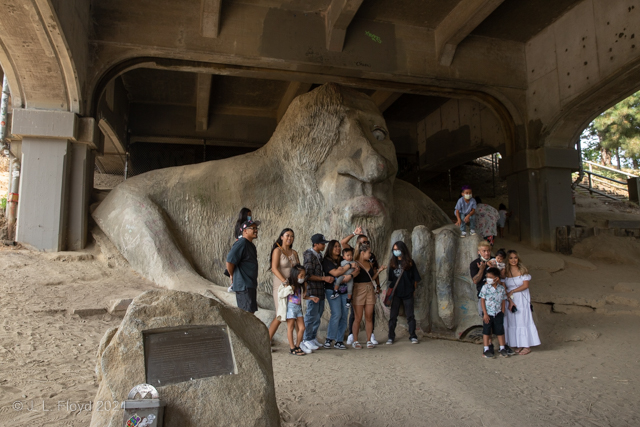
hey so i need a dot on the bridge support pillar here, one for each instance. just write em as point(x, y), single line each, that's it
point(540, 195)
point(57, 178)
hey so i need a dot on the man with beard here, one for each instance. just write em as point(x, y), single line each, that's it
point(361, 239)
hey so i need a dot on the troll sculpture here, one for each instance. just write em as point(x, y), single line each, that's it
point(329, 167)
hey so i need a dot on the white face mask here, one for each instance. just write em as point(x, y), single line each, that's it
point(301, 281)
point(468, 196)
point(490, 281)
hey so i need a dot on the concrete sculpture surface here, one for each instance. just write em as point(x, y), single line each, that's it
point(330, 166)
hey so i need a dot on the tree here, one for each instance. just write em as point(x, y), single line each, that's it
point(617, 130)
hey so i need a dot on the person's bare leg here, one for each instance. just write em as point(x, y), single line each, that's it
point(368, 315)
point(273, 327)
point(300, 321)
point(358, 309)
point(290, 323)
point(501, 340)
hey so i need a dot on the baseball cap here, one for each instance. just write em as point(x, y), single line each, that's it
point(318, 238)
point(248, 224)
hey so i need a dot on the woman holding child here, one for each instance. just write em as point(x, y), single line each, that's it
point(364, 293)
point(283, 258)
point(520, 330)
point(333, 265)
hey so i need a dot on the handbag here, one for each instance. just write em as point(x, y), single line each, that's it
point(388, 296)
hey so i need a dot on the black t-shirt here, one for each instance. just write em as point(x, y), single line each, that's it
point(473, 270)
point(327, 266)
point(406, 285)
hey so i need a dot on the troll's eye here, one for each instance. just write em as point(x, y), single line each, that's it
point(379, 134)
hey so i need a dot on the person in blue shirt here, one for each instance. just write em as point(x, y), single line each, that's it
point(466, 211)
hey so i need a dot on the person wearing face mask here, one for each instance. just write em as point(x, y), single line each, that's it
point(290, 295)
point(493, 297)
point(403, 278)
point(478, 271)
point(465, 212)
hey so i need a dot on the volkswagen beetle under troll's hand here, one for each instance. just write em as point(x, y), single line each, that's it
point(328, 168)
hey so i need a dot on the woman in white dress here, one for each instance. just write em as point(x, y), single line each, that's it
point(520, 331)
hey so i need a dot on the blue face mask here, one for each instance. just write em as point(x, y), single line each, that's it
point(249, 218)
point(397, 252)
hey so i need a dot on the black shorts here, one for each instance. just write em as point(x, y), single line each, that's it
point(248, 300)
point(496, 324)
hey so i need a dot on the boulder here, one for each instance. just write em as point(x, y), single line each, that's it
point(245, 397)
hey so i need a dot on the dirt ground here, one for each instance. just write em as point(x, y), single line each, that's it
point(586, 372)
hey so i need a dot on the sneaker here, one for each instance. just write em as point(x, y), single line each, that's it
point(310, 345)
point(339, 346)
point(504, 353)
point(316, 342)
point(335, 295)
point(472, 232)
point(348, 304)
point(414, 340)
point(463, 234)
point(510, 351)
point(488, 354)
point(350, 339)
point(327, 343)
point(389, 341)
point(373, 340)
point(304, 348)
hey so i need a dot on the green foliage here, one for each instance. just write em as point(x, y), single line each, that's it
point(618, 128)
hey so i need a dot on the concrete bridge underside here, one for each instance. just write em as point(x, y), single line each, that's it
point(203, 79)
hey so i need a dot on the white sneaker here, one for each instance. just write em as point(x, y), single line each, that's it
point(414, 340)
point(473, 232)
point(309, 344)
point(350, 339)
point(315, 341)
point(463, 234)
point(304, 348)
point(389, 341)
point(373, 340)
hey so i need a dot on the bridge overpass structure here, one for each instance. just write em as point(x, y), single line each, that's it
point(93, 82)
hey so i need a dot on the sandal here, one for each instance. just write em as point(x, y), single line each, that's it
point(296, 351)
point(524, 351)
point(356, 345)
point(370, 344)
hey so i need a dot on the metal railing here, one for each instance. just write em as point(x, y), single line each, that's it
point(597, 182)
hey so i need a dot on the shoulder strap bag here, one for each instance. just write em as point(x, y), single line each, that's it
point(388, 296)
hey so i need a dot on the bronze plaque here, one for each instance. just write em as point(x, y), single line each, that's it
point(175, 355)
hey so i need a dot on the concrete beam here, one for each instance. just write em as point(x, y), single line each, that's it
point(210, 18)
point(383, 99)
point(194, 141)
point(458, 24)
point(203, 95)
point(244, 111)
point(294, 89)
point(45, 124)
point(339, 16)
